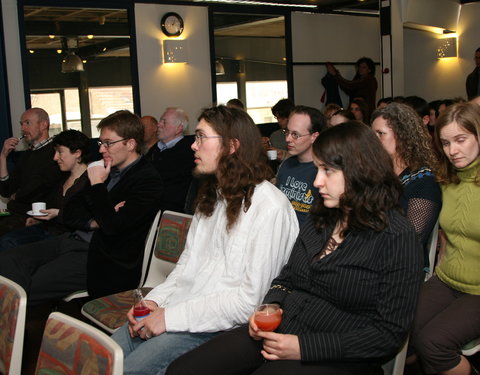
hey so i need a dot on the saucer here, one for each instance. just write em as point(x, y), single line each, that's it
point(31, 213)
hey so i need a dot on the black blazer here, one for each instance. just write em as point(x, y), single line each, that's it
point(357, 303)
point(175, 166)
point(116, 250)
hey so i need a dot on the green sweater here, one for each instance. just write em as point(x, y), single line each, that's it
point(460, 220)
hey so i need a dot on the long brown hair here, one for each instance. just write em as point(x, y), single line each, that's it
point(466, 115)
point(371, 186)
point(237, 173)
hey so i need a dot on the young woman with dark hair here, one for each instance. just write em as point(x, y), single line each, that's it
point(349, 289)
point(71, 153)
point(360, 110)
point(448, 313)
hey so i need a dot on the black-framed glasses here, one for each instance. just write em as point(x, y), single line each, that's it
point(107, 144)
point(199, 138)
point(294, 135)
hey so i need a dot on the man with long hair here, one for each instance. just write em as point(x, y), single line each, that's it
point(240, 237)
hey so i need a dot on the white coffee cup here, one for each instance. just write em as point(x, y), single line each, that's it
point(98, 163)
point(37, 206)
point(272, 154)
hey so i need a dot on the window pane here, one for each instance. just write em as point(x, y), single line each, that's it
point(50, 102)
point(72, 109)
point(106, 100)
point(261, 96)
point(226, 91)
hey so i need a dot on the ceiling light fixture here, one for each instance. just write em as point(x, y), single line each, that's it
point(71, 63)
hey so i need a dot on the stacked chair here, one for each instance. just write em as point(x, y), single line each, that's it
point(13, 306)
point(70, 346)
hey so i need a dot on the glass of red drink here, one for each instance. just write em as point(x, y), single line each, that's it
point(268, 317)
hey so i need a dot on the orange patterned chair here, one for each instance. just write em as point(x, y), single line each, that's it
point(13, 305)
point(109, 312)
point(70, 346)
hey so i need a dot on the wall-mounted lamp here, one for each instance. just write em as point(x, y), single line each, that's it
point(447, 47)
point(175, 51)
point(219, 68)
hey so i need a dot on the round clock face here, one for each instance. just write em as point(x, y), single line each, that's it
point(172, 24)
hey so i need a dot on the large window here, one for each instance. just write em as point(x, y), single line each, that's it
point(63, 106)
point(263, 95)
point(251, 65)
point(79, 63)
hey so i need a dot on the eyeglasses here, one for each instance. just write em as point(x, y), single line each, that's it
point(107, 144)
point(199, 138)
point(294, 135)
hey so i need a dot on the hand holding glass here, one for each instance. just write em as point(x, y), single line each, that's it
point(268, 317)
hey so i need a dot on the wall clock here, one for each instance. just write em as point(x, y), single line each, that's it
point(172, 24)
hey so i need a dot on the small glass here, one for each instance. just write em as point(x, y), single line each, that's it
point(268, 317)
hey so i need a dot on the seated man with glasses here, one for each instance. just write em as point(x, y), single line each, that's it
point(296, 174)
point(110, 221)
point(240, 237)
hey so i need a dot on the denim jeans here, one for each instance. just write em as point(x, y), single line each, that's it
point(154, 355)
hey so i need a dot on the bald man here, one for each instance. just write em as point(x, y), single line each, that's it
point(35, 174)
point(150, 124)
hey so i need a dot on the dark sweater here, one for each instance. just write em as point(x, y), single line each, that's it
point(356, 303)
point(175, 166)
point(34, 176)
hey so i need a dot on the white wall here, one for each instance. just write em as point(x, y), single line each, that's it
point(322, 37)
point(433, 78)
point(173, 85)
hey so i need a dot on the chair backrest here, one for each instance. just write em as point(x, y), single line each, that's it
point(70, 346)
point(149, 242)
point(13, 305)
point(170, 242)
point(147, 254)
point(397, 364)
point(432, 251)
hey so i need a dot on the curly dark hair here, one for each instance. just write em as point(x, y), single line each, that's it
point(413, 143)
point(467, 116)
point(371, 186)
point(73, 140)
point(237, 173)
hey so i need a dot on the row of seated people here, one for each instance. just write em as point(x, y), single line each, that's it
point(237, 244)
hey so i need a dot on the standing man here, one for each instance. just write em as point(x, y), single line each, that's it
point(473, 79)
point(35, 173)
point(296, 174)
point(172, 156)
point(112, 217)
point(240, 237)
point(150, 124)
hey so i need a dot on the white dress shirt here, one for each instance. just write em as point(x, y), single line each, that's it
point(221, 276)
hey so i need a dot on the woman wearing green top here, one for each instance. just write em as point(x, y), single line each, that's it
point(448, 312)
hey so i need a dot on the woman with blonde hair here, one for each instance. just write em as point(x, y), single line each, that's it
point(408, 143)
point(448, 312)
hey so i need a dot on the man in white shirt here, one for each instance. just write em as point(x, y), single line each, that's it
point(240, 237)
